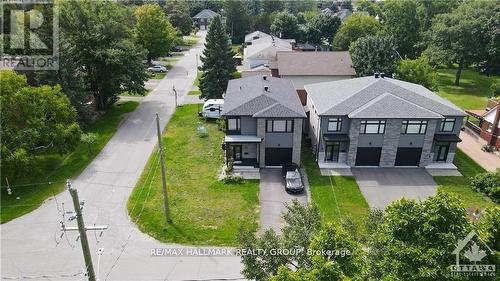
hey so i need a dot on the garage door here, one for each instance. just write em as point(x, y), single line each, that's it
point(278, 156)
point(368, 156)
point(408, 156)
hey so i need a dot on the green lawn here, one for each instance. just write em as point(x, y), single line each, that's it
point(204, 210)
point(473, 91)
point(194, 93)
point(56, 168)
point(197, 80)
point(134, 94)
point(460, 185)
point(335, 196)
point(190, 40)
point(236, 49)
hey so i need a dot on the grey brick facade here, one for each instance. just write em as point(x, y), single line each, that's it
point(261, 132)
point(353, 143)
point(427, 155)
point(391, 142)
point(297, 140)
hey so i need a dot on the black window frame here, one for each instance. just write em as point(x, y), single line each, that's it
point(444, 121)
point(289, 126)
point(364, 124)
point(334, 120)
point(238, 125)
point(421, 123)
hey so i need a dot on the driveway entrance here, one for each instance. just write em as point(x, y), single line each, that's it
point(382, 186)
point(272, 197)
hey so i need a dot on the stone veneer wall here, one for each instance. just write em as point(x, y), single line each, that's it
point(261, 132)
point(297, 140)
point(391, 142)
point(427, 155)
point(353, 141)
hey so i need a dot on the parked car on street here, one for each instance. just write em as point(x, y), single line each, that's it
point(157, 68)
point(292, 178)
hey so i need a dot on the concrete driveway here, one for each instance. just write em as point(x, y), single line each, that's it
point(382, 186)
point(272, 197)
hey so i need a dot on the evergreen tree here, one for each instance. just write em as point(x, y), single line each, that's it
point(217, 61)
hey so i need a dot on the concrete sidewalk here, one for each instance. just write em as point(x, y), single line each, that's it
point(471, 146)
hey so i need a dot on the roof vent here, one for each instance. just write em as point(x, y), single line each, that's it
point(266, 88)
point(264, 77)
point(376, 74)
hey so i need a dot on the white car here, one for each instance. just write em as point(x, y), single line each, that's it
point(157, 68)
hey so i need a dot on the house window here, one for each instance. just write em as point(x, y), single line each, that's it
point(334, 124)
point(233, 124)
point(279, 126)
point(372, 127)
point(417, 127)
point(447, 124)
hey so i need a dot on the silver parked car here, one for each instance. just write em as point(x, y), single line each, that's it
point(293, 181)
point(157, 68)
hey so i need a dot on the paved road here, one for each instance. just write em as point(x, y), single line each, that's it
point(272, 197)
point(382, 186)
point(28, 243)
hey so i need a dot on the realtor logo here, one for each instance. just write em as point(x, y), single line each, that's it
point(29, 34)
point(474, 253)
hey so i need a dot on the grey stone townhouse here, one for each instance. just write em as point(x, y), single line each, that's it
point(264, 119)
point(377, 121)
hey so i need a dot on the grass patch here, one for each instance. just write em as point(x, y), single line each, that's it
point(460, 187)
point(204, 210)
point(197, 80)
point(194, 93)
point(236, 49)
point(347, 199)
point(135, 94)
point(57, 168)
point(473, 91)
point(190, 40)
point(158, 75)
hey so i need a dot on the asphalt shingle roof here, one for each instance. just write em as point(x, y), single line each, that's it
point(205, 14)
point(247, 97)
point(315, 63)
point(256, 34)
point(380, 98)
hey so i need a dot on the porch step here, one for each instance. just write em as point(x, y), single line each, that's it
point(246, 169)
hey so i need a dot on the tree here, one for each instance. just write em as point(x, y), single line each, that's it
point(272, 6)
point(217, 61)
point(374, 54)
point(416, 71)
point(285, 25)
point(33, 119)
point(97, 36)
point(153, 31)
point(415, 240)
point(322, 28)
point(488, 227)
point(356, 26)
point(303, 232)
point(461, 37)
point(238, 21)
point(178, 15)
point(428, 10)
point(369, 6)
point(400, 21)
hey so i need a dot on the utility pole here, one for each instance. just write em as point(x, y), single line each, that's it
point(197, 63)
point(175, 93)
point(83, 232)
point(163, 176)
point(82, 229)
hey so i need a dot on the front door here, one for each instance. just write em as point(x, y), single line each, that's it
point(332, 151)
point(442, 152)
point(237, 152)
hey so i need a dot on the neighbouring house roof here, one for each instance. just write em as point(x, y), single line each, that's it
point(248, 97)
point(205, 14)
point(315, 63)
point(266, 47)
point(490, 116)
point(255, 35)
point(478, 113)
point(343, 14)
point(370, 97)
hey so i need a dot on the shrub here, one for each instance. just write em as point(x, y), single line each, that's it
point(488, 148)
point(233, 180)
point(487, 183)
